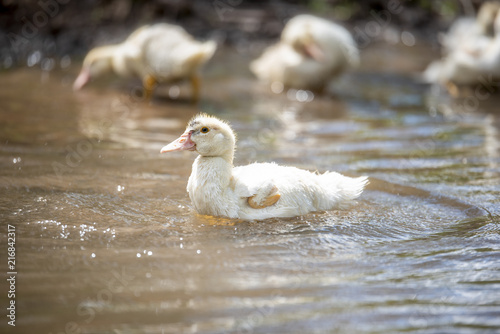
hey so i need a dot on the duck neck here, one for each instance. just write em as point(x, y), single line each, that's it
point(109, 56)
point(214, 170)
point(209, 186)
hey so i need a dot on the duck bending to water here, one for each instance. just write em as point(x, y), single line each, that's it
point(258, 190)
point(310, 53)
point(471, 33)
point(157, 53)
point(472, 52)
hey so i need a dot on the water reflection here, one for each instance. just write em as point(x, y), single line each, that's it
point(107, 240)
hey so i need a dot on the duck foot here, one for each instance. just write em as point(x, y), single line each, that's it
point(196, 86)
point(149, 83)
point(259, 202)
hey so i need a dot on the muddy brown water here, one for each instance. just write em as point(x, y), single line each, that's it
point(106, 240)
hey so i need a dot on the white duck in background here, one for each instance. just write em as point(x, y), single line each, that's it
point(255, 191)
point(471, 32)
point(470, 55)
point(310, 53)
point(155, 53)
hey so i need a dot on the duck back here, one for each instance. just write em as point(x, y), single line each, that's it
point(301, 191)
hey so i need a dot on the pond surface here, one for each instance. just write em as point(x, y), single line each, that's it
point(107, 242)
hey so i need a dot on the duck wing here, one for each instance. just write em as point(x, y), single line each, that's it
point(172, 53)
point(255, 184)
point(265, 197)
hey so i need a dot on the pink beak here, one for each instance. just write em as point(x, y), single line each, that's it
point(82, 79)
point(315, 52)
point(182, 143)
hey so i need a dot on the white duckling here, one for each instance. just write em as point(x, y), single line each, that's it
point(471, 33)
point(471, 51)
point(462, 68)
point(255, 191)
point(310, 53)
point(156, 53)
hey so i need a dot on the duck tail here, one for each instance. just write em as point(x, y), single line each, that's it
point(432, 73)
point(208, 49)
point(203, 53)
point(351, 52)
point(345, 188)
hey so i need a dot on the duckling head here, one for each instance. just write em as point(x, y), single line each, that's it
point(307, 46)
point(301, 38)
point(496, 25)
point(486, 17)
point(99, 61)
point(207, 135)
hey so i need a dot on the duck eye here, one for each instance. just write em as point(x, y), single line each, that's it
point(204, 129)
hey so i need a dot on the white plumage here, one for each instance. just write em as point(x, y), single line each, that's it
point(157, 53)
point(471, 32)
point(471, 50)
point(310, 53)
point(255, 191)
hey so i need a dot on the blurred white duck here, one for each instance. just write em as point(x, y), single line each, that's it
point(474, 56)
point(471, 33)
point(156, 53)
point(256, 191)
point(310, 53)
